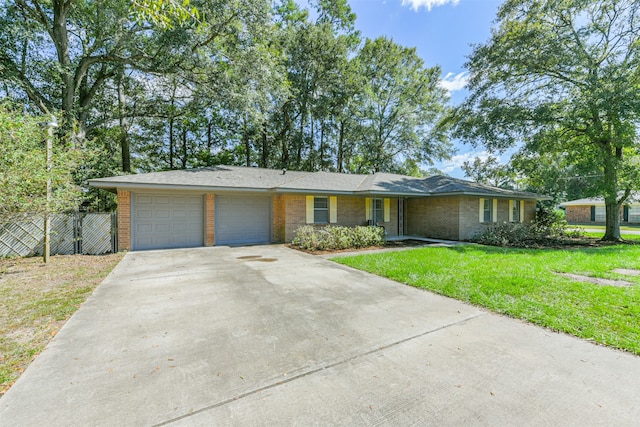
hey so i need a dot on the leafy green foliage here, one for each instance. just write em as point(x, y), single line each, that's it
point(312, 238)
point(23, 167)
point(399, 107)
point(550, 228)
point(489, 171)
point(520, 235)
point(561, 77)
point(169, 84)
point(524, 283)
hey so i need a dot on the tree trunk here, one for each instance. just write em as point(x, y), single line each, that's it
point(612, 206)
point(284, 143)
point(265, 148)
point(303, 120)
point(209, 136)
point(184, 148)
point(171, 143)
point(340, 160)
point(124, 128)
point(322, 145)
point(247, 142)
point(61, 41)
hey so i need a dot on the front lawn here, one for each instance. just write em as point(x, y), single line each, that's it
point(598, 235)
point(37, 299)
point(522, 283)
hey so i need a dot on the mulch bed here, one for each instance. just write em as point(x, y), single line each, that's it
point(409, 243)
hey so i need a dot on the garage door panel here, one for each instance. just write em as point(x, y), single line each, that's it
point(241, 220)
point(167, 221)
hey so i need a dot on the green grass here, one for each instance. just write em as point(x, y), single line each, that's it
point(601, 227)
point(598, 235)
point(521, 283)
point(37, 299)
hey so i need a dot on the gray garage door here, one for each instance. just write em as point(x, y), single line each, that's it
point(242, 219)
point(161, 221)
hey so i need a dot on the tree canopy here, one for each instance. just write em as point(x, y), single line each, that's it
point(161, 84)
point(562, 77)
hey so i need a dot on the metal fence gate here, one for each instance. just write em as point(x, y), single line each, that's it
point(73, 233)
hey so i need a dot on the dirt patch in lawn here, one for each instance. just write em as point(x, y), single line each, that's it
point(596, 280)
point(626, 271)
point(37, 299)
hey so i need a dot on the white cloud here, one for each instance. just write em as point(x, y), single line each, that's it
point(456, 161)
point(454, 82)
point(427, 4)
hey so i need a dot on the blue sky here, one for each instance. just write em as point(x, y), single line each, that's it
point(442, 31)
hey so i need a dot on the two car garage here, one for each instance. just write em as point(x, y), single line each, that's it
point(177, 220)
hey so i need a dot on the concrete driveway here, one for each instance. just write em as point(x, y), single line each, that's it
point(270, 336)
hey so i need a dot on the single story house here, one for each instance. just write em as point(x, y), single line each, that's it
point(586, 211)
point(230, 205)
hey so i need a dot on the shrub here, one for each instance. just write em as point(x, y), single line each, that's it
point(550, 228)
point(313, 238)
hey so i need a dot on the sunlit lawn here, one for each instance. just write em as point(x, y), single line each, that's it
point(522, 283)
point(598, 235)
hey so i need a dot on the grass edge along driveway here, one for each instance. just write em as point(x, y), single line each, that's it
point(37, 299)
point(522, 283)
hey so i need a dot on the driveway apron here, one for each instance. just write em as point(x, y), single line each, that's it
point(265, 335)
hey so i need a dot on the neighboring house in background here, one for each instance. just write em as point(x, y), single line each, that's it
point(228, 205)
point(585, 211)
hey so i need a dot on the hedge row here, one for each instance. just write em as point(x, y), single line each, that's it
point(311, 238)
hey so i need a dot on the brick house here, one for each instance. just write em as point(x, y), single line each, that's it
point(229, 205)
point(592, 211)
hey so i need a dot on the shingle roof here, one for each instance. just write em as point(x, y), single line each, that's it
point(236, 178)
point(596, 201)
point(584, 202)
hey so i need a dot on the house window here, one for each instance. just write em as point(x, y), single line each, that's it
point(600, 214)
point(487, 210)
point(321, 210)
point(378, 211)
point(515, 211)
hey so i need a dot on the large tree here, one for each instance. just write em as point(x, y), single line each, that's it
point(562, 77)
point(398, 108)
point(59, 55)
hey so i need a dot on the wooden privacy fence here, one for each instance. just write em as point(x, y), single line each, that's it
point(73, 233)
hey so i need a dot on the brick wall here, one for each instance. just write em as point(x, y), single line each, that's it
point(124, 220)
point(278, 219)
point(290, 213)
point(295, 208)
point(351, 211)
point(470, 224)
point(210, 223)
point(578, 214)
point(436, 217)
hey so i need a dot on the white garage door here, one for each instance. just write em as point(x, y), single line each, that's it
point(161, 221)
point(242, 220)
